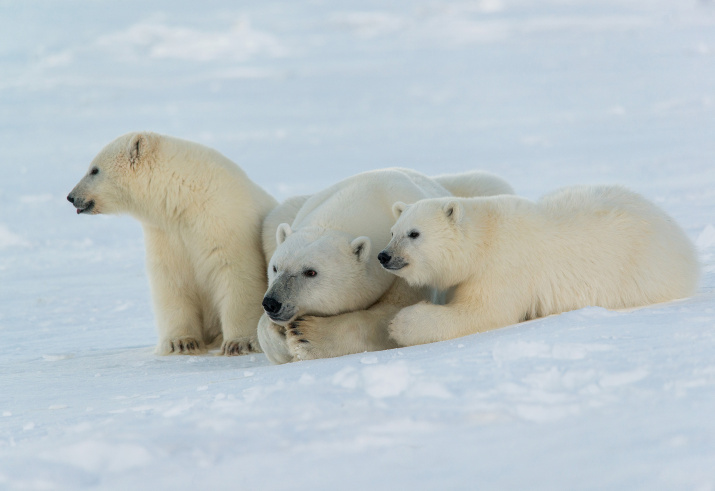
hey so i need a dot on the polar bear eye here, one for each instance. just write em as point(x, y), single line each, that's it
point(414, 234)
point(310, 273)
point(274, 269)
point(94, 171)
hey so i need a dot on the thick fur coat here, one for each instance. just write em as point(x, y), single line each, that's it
point(202, 219)
point(328, 295)
point(510, 259)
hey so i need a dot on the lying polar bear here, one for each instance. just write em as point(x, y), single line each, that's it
point(202, 219)
point(510, 259)
point(326, 285)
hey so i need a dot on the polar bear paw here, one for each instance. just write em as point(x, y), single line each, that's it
point(408, 328)
point(272, 339)
point(240, 346)
point(301, 336)
point(399, 330)
point(185, 345)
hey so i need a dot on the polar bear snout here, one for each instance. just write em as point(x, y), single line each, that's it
point(271, 305)
point(277, 311)
point(391, 262)
point(80, 203)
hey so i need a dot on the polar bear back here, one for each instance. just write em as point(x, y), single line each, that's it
point(626, 250)
point(204, 170)
point(362, 204)
point(474, 183)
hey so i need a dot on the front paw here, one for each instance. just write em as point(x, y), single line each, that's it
point(185, 345)
point(240, 346)
point(303, 339)
point(272, 339)
point(405, 327)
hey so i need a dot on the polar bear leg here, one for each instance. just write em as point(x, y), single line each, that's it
point(428, 323)
point(272, 338)
point(176, 303)
point(311, 337)
point(240, 308)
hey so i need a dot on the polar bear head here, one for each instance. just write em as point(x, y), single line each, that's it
point(317, 271)
point(427, 246)
point(109, 186)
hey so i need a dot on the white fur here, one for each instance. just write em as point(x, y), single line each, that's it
point(474, 183)
point(345, 308)
point(202, 219)
point(511, 259)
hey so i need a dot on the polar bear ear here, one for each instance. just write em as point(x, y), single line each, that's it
point(361, 248)
point(136, 148)
point(398, 208)
point(282, 232)
point(453, 211)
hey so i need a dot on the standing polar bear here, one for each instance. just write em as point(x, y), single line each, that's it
point(512, 260)
point(325, 283)
point(202, 219)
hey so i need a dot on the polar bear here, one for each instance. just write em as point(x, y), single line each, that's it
point(325, 283)
point(511, 259)
point(202, 219)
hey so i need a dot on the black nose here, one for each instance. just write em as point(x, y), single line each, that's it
point(70, 199)
point(271, 305)
point(384, 257)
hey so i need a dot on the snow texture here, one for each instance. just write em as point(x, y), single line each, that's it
point(302, 94)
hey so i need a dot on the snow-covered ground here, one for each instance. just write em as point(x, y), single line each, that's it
point(302, 94)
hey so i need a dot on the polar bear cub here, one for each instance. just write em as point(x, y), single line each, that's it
point(512, 259)
point(202, 219)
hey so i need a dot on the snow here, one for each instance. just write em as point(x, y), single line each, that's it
point(302, 94)
point(9, 239)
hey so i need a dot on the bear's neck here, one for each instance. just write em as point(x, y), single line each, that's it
point(502, 231)
point(173, 199)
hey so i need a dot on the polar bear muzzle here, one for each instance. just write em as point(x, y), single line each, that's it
point(391, 262)
point(271, 305)
point(275, 309)
point(81, 205)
